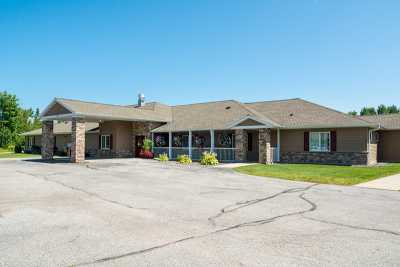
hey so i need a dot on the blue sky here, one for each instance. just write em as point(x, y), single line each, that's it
point(340, 53)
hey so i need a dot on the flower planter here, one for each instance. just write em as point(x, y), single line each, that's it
point(146, 154)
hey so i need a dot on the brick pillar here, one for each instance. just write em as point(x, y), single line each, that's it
point(47, 140)
point(78, 141)
point(240, 145)
point(264, 143)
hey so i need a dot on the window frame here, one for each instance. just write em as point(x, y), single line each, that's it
point(320, 149)
point(103, 142)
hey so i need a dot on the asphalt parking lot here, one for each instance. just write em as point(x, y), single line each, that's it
point(132, 212)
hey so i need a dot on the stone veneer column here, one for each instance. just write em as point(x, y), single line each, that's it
point(240, 145)
point(78, 141)
point(372, 154)
point(264, 143)
point(47, 140)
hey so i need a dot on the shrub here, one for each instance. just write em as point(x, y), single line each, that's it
point(9, 147)
point(163, 157)
point(184, 159)
point(36, 149)
point(147, 144)
point(209, 158)
point(18, 149)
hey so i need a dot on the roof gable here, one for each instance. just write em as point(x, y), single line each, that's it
point(249, 122)
point(57, 109)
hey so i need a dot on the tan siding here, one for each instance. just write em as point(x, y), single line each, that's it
point(292, 141)
point(348, 139)
point(62, 140)
point(390, 146)
point(352, 140)
point(92, 142)
point(121, 132)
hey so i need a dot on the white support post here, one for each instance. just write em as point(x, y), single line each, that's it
point(152, 140)
point(212, 140)
point(190, 144)
point(170, 145)
point(278, 145)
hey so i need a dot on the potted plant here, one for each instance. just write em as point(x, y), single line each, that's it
point(145, 152)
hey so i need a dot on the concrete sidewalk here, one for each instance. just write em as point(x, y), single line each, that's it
point(388, 183)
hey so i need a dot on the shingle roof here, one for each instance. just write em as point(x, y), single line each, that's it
point(205, 116)
point(289, 114)
point(286, 114)
point(64, 128)
point(159, 112)
point(298, 113)
point(389, 122)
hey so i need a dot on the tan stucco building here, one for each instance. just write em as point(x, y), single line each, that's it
point(290, 131)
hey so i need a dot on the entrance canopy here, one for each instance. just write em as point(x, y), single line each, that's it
point(67, 109)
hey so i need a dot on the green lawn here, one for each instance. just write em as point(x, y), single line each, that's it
point(5, 154)
point(324, 174)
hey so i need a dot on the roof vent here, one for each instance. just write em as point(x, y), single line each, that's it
point(291, 114)
point(141, 100)
point(228, 107)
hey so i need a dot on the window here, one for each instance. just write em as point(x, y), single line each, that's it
point(320, 141)
point(105, 142)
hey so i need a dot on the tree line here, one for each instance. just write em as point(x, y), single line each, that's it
point(381, 110)
point(15, 120)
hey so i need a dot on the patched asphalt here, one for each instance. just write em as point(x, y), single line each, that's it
point(131, 212)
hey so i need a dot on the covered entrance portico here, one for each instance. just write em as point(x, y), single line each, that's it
point(246, 140)
point(257, 140)
point(119, 127)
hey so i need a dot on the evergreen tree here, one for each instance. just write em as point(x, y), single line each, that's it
point(392, 109)
point(382, 109)
point(368, 111)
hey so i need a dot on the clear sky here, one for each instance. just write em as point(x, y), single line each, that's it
point(341, 53)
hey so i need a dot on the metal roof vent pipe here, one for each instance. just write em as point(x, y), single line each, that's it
point(141, 100)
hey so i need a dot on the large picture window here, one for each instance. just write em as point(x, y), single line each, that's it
point(320, 141)
point(105, 142)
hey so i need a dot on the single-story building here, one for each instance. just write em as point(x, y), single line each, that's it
point(290, 131)
point(388, 136)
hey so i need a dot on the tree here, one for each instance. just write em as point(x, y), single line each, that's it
point(382, 109)
point(15, 120)
point(353, 113)
point(368, 111)
point(393, 109)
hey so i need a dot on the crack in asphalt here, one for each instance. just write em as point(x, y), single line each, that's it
point(46, 178)
point(353, 226)
point(312, 207)
point(243, 204)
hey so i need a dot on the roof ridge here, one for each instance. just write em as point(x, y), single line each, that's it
point(202, 103)
point(277, 100)
point(334, 110)
point(93, 102)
